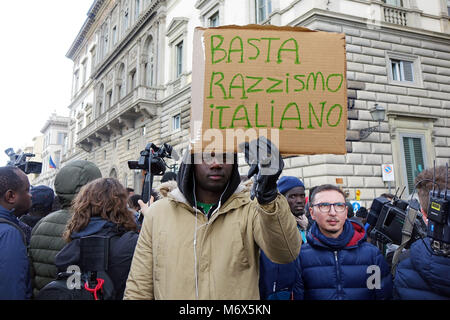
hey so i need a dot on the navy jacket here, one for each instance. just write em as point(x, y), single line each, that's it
point(422, 275)
point(342, 268)
point(276, 281)
point(121, 250)
point(15, 281)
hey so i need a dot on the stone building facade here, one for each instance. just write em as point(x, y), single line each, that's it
point(132, 76)
point(54, 135)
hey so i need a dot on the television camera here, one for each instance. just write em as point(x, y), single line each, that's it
point(20, 160)
point(387, 218)
point(151, 160)
point(439, 217)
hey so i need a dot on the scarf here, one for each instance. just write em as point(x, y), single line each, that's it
point(335, 243)
point(302, 221)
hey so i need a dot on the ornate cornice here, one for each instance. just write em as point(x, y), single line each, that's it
point(91, 14)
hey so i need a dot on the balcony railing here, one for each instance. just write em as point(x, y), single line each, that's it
point(395, 15)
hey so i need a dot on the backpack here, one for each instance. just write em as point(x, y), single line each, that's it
point(90, 280)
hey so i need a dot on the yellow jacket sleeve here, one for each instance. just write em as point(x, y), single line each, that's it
point(275, 231)
point(139, 284)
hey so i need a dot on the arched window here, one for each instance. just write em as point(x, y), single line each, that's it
point(113, 173)
point(100, 104)
point(121, 82)
point(150, 64)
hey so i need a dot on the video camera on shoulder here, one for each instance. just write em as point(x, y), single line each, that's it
point(20, 161)
point(438, 215)
point(152, 161)
point(387, 218)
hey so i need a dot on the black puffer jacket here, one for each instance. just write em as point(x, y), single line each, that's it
point(46, 237)
point(121, 249)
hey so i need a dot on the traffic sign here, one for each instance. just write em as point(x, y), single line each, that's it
point(388, 172)
point(356, 205)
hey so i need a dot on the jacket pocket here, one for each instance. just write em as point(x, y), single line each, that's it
point(239, 250)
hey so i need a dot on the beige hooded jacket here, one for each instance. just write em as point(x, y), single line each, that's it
point(223, 261)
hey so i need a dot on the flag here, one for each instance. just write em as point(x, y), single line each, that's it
point(51, 164)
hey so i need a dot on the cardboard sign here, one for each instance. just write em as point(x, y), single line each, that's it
point(286, 83)
point(388, 172)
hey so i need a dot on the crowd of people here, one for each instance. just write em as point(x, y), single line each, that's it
point(207, 233)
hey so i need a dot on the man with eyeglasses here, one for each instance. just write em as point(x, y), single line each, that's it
point(337, 263)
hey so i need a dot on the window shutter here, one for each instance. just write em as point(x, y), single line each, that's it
point(413, 159)
point(408, 70)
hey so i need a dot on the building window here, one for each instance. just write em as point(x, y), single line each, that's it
point(57, 158)
point(413, 155)
point(132, 80)
point(397, 3)
point(84, 70)
point(176, 122)
point(76, 79)
point(263, 10)
point(100, 105)
point(179, 59)
point(137, 9)
point(108, 99)
point(149, 65)
point(402, 70)
point(121, 83)
point(125, 20)
point(125, 180)
point(105, 45)
point(114, 35)
point(213, 21)
point(61, 137)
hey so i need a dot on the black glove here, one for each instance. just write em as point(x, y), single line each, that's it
point(266, 164)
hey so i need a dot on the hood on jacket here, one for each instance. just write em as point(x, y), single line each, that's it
point(165, 188)
point(72, 177)
point(352, 235)
point(185, 179)
point(432, 268)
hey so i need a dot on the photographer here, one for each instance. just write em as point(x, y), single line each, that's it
point(424, 272)
point(203, 240)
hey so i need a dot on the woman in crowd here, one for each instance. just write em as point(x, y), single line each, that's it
point(100, 209)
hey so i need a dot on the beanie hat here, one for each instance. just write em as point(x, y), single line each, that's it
point(42, 197)
point(286, 183)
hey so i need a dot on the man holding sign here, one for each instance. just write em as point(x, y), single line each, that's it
point(265, 88)
point(203, 240)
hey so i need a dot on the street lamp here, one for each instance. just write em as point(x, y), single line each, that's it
point(377, 113)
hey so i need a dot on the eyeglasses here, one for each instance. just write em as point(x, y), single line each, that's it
point(325, 207)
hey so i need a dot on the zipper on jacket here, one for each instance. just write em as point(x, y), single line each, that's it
point(339, 286)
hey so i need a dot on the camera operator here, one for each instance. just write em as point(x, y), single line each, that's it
point(424, 272)
point(203, 240)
